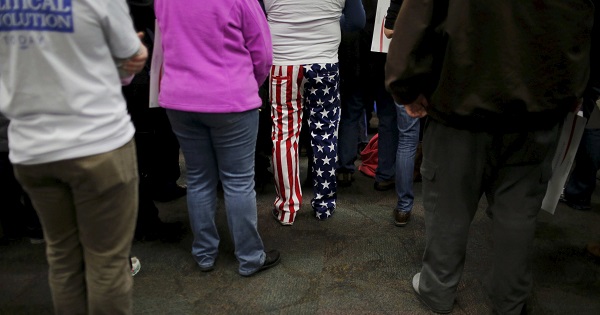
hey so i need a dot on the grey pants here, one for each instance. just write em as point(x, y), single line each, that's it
point(459, 166)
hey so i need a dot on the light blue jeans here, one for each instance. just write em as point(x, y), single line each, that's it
point(408, 140)
point(221, 146)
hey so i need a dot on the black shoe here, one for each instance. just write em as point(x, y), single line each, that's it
point(384, 185)
point(344, 179)
point(271, 260)
point(169, 192)
point(207, 268)
point(577, 204)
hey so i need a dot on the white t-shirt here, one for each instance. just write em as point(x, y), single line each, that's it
point(59, 84)
point(304, 32)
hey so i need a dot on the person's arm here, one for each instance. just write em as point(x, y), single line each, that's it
point(390, 17)
point(353, 16)
point(122, 39)
point(413, 58)
point(258, 39)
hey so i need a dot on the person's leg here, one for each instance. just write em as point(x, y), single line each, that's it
point(87, 207)
point(408, 139)
point(165, 164)
point(582, 181)
point(53, 200)
point(264, 145)
point(350, 130)
point(518, 178)
point(33, 227)
point(363, 136)
point(322, 103)
point(11, 216)
point(106, 205)
point(234, 140)
point(149, 225)
point(388, 140)
point(453, 165)
point(202, 177)
point(286, 113)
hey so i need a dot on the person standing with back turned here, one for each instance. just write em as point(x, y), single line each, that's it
point(71, 141)
point(496, 78)
point(305, 80)
point(216, 55)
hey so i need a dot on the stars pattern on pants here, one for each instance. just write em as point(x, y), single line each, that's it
point(323, 108)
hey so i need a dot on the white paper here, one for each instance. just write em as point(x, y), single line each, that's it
point(568, 142)
point(380, 43)
point(156, 68)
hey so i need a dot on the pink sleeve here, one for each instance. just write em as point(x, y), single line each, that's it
point(258, 38)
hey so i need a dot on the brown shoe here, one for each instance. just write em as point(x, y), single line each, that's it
point(401, 217)
point(384, 185)
point(593, 249)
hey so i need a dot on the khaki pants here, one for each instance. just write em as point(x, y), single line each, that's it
point(87, 207)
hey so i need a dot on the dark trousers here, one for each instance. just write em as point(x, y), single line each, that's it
point(459, 167)
point(157, 151)
point(17, 214)
point(582, 182)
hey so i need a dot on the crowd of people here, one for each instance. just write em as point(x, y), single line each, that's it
point(79, 139)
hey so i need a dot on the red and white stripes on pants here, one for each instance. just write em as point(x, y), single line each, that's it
point(312, 88)
point(286, 113)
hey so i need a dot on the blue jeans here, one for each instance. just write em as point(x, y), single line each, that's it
point(221, 146)
point(408, 139)
point(582, 182)
point(388, 136)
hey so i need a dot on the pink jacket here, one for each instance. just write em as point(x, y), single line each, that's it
point(216, 54)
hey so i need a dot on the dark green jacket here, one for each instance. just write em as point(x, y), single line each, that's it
point(508, 65)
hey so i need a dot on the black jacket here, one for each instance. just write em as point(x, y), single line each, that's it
point(392, 13)
point(492, 65)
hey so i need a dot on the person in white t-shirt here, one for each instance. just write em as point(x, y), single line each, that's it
point(71, 141)
point(305, 77)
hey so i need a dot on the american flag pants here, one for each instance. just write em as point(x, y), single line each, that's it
point(312, 90)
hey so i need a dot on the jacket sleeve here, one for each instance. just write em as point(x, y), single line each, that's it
point(416, 50)
point(353, 16)
point(392, 14)
point(258, 39)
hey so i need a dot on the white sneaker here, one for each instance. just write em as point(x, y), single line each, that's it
point(135, 266)
point(415, 284)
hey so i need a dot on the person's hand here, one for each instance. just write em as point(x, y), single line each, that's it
point(136, 63)
point(418, 108)
point(388, 32)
